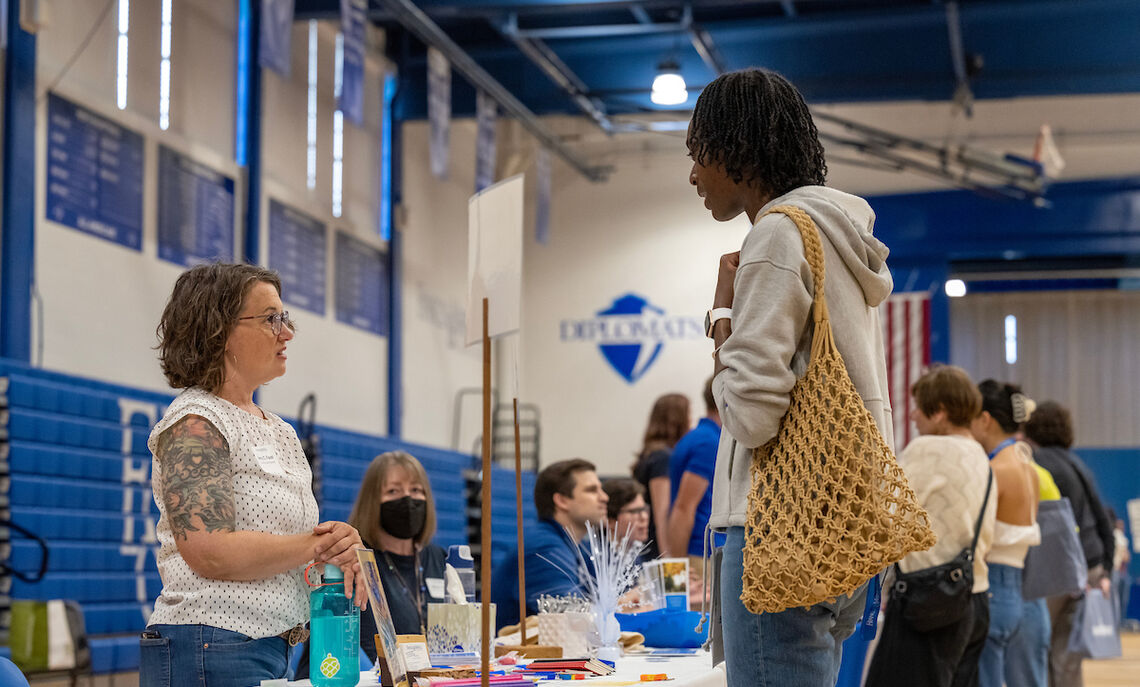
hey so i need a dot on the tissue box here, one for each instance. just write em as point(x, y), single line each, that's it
point(571, 631)
point(456, 628)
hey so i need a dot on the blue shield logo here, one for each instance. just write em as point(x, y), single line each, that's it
point(631, 360)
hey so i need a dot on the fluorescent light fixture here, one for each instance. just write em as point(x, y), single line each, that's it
point(669, 85)
point(164, 69)
point(121, 61)
point(311, 113)
point(338, 132)
point(1010, 339)
point(955, 288)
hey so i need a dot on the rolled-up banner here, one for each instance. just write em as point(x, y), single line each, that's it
point(350, 101)
point(486, 113)
point(275, 40)
point(542, 201)
point(439, 111)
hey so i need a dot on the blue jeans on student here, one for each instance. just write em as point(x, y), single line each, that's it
point(793, 648)
point(1005, 621)
point(1027, 656)
point(205, 656)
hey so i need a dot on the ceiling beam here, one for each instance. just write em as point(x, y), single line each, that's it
point(706, 48)
point(411, 18)
point(545, 59)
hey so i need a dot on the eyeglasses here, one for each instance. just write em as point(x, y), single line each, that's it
point(644, 510)
point(275, 321)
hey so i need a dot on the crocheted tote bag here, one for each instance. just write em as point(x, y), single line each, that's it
point(829, 506)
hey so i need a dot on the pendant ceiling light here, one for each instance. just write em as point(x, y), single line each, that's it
point(669, 85)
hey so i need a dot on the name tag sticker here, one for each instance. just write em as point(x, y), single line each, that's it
point(267, 459)
point(434, 587)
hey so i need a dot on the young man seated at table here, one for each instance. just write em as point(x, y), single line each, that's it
point(567, 495)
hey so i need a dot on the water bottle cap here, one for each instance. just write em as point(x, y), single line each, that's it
point(459, 556)
point(332, 574)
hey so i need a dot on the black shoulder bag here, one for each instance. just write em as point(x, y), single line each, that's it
point(933, 598)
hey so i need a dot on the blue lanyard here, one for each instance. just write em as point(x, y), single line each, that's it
point(1002, 446)
point(870, 619)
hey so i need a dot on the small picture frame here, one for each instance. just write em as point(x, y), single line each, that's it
point(387, 642)
point(673, 574)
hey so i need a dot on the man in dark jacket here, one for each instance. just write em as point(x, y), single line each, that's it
point(1050, 428)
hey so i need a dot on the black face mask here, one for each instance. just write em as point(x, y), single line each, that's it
point(403, 518)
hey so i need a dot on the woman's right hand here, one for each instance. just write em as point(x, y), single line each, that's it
point(336, 544)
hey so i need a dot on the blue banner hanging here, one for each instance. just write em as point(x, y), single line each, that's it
point(485, 115)
point(275, 51)
point(542, 202)
point(350, 101)
point(439, 111)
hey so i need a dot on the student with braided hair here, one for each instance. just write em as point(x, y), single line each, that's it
point(754, 147)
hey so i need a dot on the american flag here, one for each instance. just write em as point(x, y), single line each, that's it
point(906, 334)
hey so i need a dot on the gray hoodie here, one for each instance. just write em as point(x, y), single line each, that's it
point(772, 328)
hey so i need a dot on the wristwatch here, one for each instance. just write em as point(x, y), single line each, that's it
point(713, 315)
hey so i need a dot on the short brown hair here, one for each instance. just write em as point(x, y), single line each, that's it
point(948, 388)
point(621, 491)
point(1051, 424)
point(198, 318)
point(365, 516)
point(557, 478)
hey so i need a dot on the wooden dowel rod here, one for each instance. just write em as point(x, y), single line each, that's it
point(519, 516)
point(485, 539)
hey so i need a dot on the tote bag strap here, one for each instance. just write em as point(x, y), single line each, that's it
point(822, 338)
point(982, 514)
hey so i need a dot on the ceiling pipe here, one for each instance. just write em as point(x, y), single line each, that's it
point(414, 20)
point(603, 30)
point(703, 44)
point(545, 59)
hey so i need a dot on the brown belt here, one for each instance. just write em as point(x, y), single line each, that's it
point(295, 635)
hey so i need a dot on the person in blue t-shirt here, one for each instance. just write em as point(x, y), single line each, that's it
point(567, 495)
point(690, 480)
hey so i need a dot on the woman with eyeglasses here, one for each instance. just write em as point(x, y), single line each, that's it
point(627, 510)
point(237, 519)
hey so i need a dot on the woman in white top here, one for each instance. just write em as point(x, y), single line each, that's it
point(1004, 409)
point(950, 475)
point(238, 521)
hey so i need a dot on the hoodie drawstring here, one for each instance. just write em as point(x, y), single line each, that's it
point(706, 583)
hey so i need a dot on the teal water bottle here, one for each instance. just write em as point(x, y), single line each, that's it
point(334, 633)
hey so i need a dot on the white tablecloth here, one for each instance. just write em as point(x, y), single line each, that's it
point(685, 671)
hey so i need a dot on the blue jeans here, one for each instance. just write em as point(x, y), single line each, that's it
point(205, 656)
point(793, 648)
point(1005, 620)
point(1027, 656)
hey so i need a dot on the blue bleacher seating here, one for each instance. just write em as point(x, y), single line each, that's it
point(71, 484)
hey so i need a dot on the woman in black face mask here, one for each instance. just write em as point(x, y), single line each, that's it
point(395, 514)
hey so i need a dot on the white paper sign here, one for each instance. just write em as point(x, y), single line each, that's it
point(494, 258)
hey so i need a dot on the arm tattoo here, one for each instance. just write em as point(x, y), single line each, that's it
point(197, 477)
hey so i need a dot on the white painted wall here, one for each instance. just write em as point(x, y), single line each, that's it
point(436, 364)
point(645, 231)
point(100, 301)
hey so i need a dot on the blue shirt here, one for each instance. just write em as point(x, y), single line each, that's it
point(551, 568)
point(696, 453)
